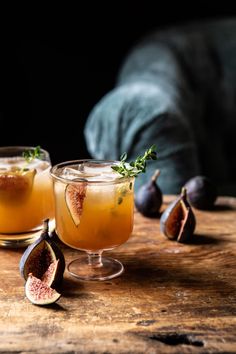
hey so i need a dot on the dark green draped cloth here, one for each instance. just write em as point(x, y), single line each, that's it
point(176, 89)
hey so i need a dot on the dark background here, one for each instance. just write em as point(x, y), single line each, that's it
point(50, 85)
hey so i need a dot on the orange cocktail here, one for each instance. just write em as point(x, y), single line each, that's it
point(93, 205)
point(26, 196)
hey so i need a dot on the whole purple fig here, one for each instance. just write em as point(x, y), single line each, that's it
point(148, 199)
point(202, 193)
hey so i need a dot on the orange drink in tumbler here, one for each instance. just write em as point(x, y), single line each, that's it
point(26, 195)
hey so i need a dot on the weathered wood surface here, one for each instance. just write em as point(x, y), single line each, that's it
point(172, 298)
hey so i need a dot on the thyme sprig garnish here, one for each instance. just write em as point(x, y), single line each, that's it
point(30, 155)
point(134, 168)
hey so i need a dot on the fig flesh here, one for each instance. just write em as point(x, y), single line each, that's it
point(39, 293)
point(148, 199)
point(178, 220)
point(202, 193)
point(50, 273)
point(43, 257)
point(74, 197)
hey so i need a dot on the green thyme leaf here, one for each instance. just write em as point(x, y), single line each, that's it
point(30, 155)
point(136, 167)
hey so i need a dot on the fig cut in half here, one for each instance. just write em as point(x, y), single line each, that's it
point(42, 265)
point(74, 197)
point(44, 260)
point(36, 259)
point(178, 221)
point(16, 185)
point(39, 293)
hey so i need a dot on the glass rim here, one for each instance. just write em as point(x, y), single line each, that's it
point(23, 148)
point(20, 147)
point(119, 179)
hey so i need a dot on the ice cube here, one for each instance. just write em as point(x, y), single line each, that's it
point(73, 173)
point(96, 168)
point(103, 171)
point(91, 172)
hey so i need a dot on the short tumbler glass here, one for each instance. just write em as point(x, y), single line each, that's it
point(26, 195)
point(94, 208)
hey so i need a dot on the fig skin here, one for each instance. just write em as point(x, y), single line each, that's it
point(202, 193)
point(148, 199)
point(38, 257)
point(178, 221)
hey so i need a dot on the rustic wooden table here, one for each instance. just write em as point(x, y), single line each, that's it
point(172, 298)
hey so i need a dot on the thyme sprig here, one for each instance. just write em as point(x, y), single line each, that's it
point(134, 168)
point(30, 155)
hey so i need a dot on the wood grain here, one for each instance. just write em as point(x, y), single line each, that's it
point(172, 298)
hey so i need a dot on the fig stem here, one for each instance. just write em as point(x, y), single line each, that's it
point(184, 192)
point(155, 175)
point(45, 225)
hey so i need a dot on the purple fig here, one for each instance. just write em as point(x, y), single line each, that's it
point(202, 193)
point(148, 199)
point(39, 259)
point(178, 221)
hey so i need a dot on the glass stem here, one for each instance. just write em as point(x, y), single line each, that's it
point(95, 259)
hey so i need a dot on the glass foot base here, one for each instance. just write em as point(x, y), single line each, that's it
point(108, 268)
point(23, 239)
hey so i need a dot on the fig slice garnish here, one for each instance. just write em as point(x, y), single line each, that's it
point(16, 184)
point(74, 197)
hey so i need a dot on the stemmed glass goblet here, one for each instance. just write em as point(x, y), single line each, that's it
point(94, 213)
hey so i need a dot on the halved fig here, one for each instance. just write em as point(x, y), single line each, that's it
point(17, 184)
point(74, 197)
point(178, 221)
point(43, 259)
point(36, 259)
point(39, 293)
